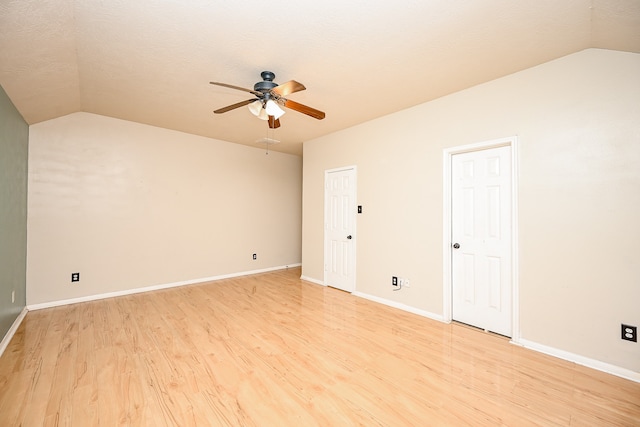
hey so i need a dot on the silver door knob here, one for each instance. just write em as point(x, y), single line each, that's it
point(349, 237)
point(456, 246)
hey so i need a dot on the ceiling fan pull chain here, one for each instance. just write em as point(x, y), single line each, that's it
point(267, 144)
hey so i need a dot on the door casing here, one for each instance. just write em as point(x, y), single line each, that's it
point(447, 309)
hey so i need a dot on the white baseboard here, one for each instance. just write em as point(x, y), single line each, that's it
point(12, 330)
point(581, 360)
point(561, 354)
point(309, 279)
point(400, 306)
point(384, 301)
point(153, 288)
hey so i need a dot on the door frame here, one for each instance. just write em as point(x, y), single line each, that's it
point(353, 222)
point(447, 300)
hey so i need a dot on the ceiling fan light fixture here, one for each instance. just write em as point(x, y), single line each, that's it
point(263, 114)
point(255, 107)
point(273, 109)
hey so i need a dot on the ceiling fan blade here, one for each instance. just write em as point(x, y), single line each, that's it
point(289, 87)
point(237, 88)
point(316, 114)
point(234, 106)
point(273, 122)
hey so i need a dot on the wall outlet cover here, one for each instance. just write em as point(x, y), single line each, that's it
point(629, 333)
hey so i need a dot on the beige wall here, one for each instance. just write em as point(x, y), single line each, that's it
point(130, 206)
point(578, 124)
point(14, 144)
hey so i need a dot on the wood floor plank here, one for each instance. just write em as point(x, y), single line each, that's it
point(271, 349)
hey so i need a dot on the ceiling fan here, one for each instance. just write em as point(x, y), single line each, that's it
point(269, 97)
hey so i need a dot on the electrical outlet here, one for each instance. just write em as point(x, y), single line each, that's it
point(75, 277)
point(629, 333)
point(406, 283)
point(394, 280)
point(255, 256)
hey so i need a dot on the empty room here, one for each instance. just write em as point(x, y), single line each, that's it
point(411, 213)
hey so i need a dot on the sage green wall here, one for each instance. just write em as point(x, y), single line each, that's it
point(14, 143)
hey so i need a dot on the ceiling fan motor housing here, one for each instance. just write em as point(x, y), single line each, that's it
point(267, 84)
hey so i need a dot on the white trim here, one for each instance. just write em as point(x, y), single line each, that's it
point(309, 279)
point(446, 235)
point(354, 219)
point(515, 248)
point(12, 330)
point(153, 288)
point(581, 360)
point(400, 306)
point(447, 154)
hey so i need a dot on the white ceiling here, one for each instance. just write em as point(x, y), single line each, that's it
point(150, 61)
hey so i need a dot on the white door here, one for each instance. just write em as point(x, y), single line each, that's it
point(481, 239)
point(339, 219)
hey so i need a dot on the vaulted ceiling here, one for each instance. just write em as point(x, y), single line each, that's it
point(151, 61)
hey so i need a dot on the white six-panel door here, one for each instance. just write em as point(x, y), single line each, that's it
point(339, 259)
point(481, 239)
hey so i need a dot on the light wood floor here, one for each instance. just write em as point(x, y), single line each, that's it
point(272, 350)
